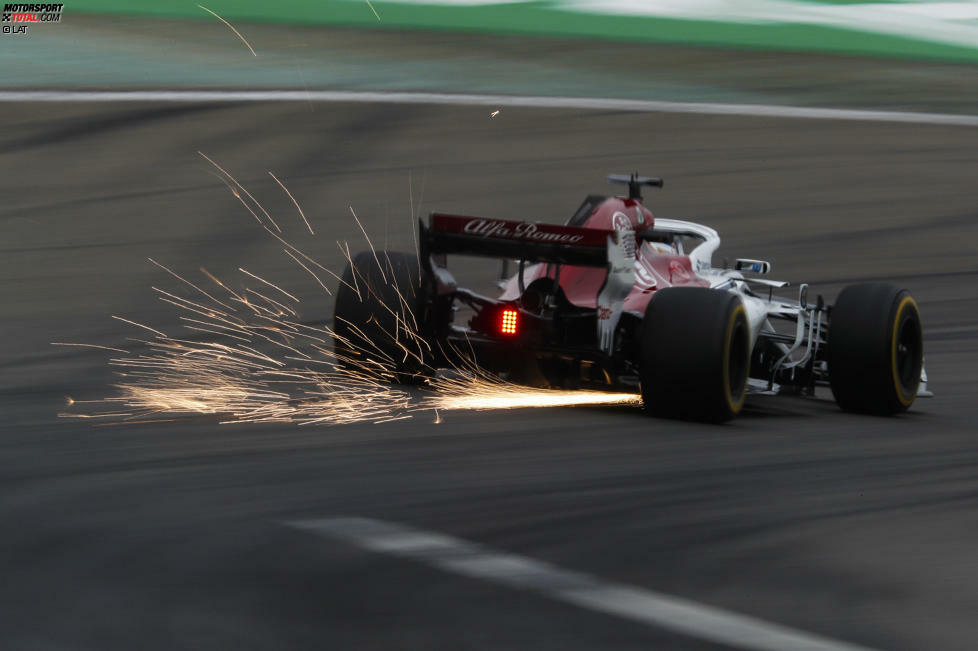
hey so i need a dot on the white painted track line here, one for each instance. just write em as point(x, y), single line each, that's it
point(490, 101)
point(628, 602)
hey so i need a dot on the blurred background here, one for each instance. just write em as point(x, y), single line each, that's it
point(882, 54)
point(173, 535)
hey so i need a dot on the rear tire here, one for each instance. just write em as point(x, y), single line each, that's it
point(378, 333)
point(694, 354)
point(875, 349)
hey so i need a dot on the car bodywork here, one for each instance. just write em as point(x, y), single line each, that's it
point(569, 317)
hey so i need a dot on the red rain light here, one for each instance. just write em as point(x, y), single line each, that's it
point(508, 320)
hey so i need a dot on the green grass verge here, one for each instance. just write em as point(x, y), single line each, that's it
point(538, 18)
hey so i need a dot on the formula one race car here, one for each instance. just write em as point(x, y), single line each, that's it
point(618, 300)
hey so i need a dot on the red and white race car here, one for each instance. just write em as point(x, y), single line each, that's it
point(619, 300)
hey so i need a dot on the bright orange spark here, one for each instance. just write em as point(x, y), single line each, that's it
point(64, 343)
point(272, 285)
point(139, 325)
point(369, 243)
point(232, 28)
point(297, 206)
point(182, 279)
point(245, 190)
point(309, 271)
point(217, 282)
point(373, 10)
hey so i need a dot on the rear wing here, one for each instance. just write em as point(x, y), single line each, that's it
point(529, 241)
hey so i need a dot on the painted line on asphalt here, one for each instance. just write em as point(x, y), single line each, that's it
point(493, 101)
point(629, 602)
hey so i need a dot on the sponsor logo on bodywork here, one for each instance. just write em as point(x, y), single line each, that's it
point(520, 231)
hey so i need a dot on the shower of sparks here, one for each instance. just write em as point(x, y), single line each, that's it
point(369, 4)
point(504, 395)
point(249, 358)
point(231, 28)
point(472, 388)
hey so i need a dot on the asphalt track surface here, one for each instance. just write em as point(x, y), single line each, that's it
point(172, 535)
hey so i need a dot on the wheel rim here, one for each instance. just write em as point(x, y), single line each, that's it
point(908, 355)
point(737, 363)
